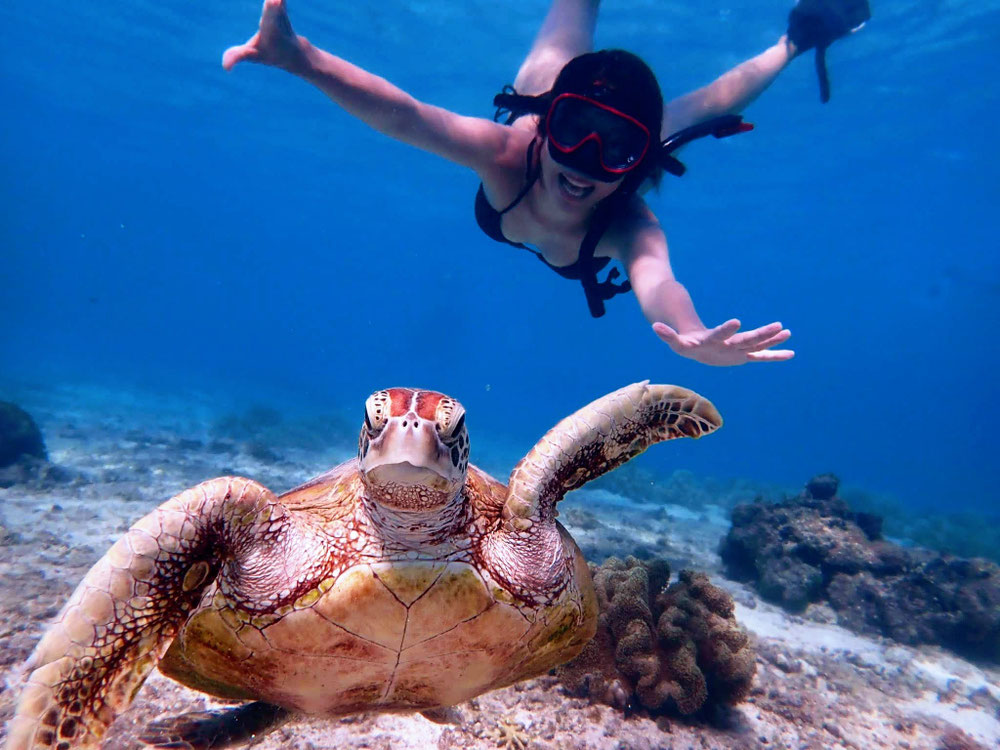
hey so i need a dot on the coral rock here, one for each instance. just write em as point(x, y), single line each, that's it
point(823, 486)
point(809, 549)
point(667, 649)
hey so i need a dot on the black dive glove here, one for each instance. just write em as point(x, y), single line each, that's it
point(819, 23)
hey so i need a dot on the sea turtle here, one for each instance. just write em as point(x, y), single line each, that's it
point(402, 580)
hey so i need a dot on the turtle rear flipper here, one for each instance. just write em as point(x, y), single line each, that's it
point(124, 614)
point(598, 438)
point(206, 730)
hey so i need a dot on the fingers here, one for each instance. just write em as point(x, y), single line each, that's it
point(724, 332)
point(753, 339)
point(666, 333)
point(757, 345)
point(723, 346)
point(238, 54)
point(779, 338)
point(275, 17)
point(770, 355)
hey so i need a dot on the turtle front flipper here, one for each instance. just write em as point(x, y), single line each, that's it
point(129, 606)
point(209, 730)
point(598, 438)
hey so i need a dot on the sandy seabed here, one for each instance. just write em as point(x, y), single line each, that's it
point(818, 686)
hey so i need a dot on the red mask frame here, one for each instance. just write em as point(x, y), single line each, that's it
point(594, 135)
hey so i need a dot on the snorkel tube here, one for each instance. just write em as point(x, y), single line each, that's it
point(720, 127)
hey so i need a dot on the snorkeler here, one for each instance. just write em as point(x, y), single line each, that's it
point(582, 141)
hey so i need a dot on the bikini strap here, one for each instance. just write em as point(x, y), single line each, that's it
point(530, 176)
point(598, 292)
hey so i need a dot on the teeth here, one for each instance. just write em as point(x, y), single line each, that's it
point(573, 188)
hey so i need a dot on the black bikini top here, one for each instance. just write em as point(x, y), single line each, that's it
point(586, 266)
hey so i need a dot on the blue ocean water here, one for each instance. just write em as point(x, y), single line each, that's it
point(170, 224)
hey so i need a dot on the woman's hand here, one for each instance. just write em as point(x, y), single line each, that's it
point(722, 346)
point(275, 43)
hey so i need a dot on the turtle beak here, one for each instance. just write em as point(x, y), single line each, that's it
point(406, 473)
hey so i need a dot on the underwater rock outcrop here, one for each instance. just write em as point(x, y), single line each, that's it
point(813, 548)
point(19, 435)
point(667, 649)
point(23, 457)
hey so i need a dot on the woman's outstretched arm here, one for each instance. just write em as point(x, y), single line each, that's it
point(667, 304)
point(812, 24)
point(471, 141)
point(731, 92)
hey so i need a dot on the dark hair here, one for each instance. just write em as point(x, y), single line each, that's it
point(621, 80)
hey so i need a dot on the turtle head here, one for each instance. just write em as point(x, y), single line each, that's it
point(414, 449)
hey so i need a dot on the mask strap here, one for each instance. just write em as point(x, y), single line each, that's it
point(511, 104)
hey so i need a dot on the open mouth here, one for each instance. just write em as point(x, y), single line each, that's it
point(574, 188)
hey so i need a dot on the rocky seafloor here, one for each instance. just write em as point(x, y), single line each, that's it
point(115, 455)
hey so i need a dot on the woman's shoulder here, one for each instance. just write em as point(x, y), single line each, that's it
point(512, 162)
point(516, 142)
point(632, 227)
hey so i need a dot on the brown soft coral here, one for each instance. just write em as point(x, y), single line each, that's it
point(701, 615)
point(663, 648)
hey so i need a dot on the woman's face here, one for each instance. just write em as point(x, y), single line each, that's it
point(574, 189)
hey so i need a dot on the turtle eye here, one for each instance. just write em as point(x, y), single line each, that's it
point(373, 423)
point(449, 418)
point(452, 429)
point(376, 411)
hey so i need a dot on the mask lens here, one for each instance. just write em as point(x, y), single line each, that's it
point(623, 140)
point(623, 149)
point(569, 124)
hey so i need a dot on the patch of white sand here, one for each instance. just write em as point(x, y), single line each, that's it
point(947, 675)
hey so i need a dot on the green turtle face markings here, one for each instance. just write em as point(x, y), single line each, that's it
point(405, 579)
point(414, 449)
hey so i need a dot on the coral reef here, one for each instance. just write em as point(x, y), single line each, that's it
point(673, 648)
point(965, 533)
point(814, 548)
point(961, 526)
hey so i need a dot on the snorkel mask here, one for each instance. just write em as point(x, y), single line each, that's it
point(593, 138)
point(601, 141)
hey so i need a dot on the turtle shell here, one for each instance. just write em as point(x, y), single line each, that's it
point(389, 635)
